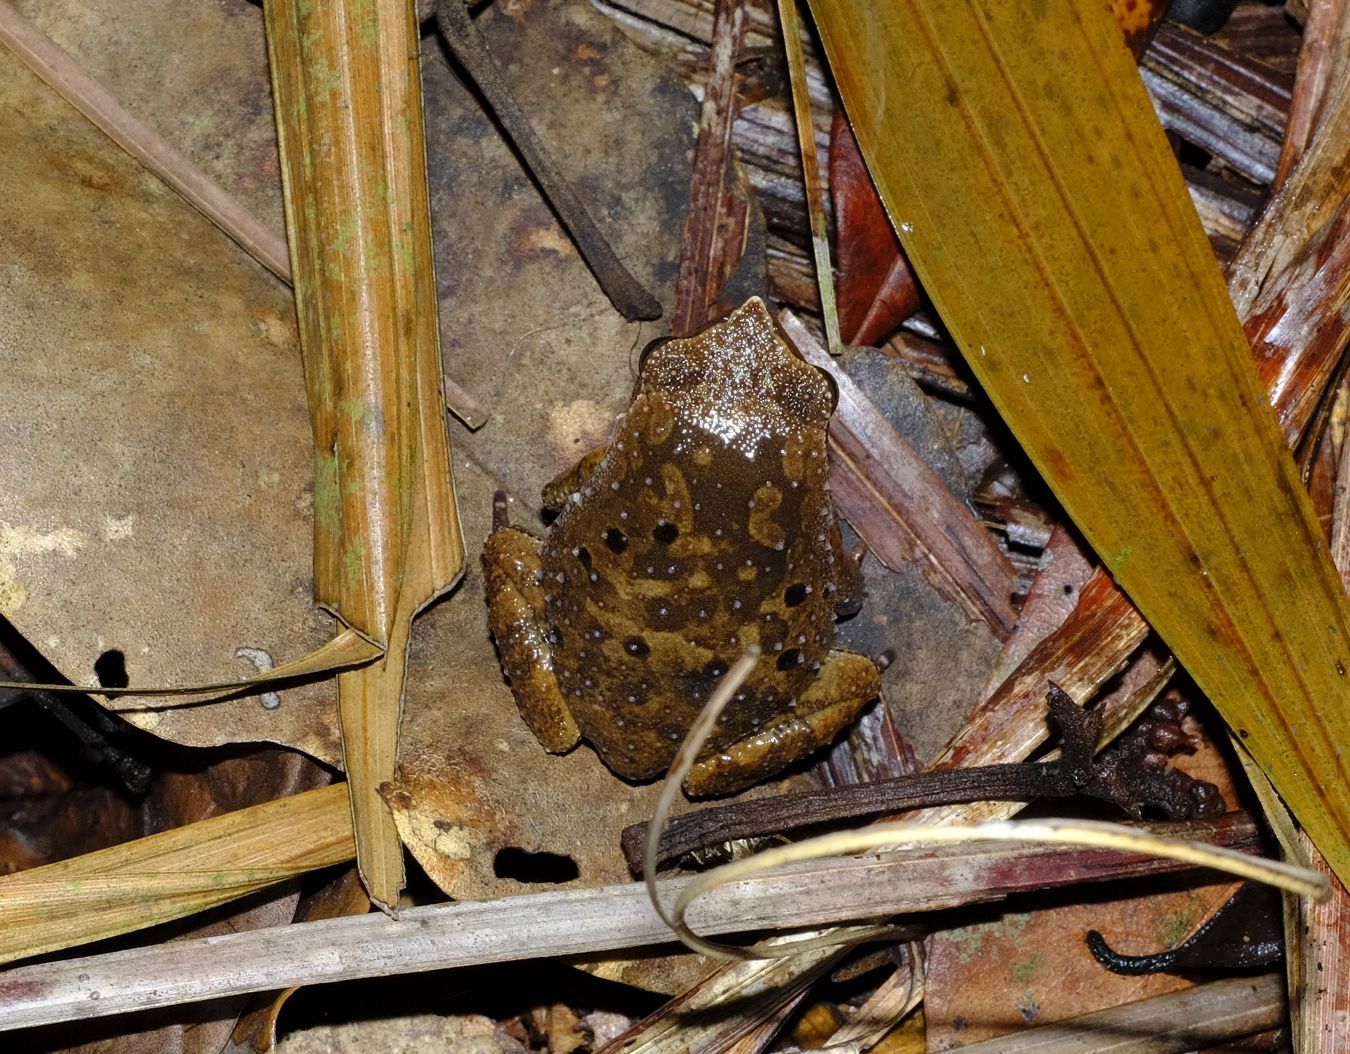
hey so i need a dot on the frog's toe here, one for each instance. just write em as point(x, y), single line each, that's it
point(847, 682)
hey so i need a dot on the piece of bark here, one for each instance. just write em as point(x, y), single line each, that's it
point(714, 228)
point(881, 484)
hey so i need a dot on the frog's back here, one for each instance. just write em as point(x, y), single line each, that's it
point(706, 528)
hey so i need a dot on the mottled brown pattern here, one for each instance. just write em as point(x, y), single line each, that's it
point(704, 528)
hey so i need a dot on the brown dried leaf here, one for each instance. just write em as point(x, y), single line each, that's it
point(348, 92)
point(877, 289)
point(109, 547)
point(1032, 966)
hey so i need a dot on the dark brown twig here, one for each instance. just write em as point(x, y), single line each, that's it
point(1127, 776)
point(466, 43)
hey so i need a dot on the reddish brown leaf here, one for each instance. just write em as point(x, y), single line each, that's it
point(876, 290)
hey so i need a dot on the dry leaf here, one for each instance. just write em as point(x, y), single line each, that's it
point(348, 92)
point(178, 872)
point(1109, 344)
point(877, 289)
point(172, 554)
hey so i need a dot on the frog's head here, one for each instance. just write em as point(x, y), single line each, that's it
point(739, 379)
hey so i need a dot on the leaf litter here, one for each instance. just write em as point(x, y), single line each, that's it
point(596, 369)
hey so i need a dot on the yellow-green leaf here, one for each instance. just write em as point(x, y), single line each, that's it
point(1021, 163)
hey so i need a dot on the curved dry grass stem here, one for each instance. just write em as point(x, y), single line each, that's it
point(1087, 833)
point(684, 761)
point(345, 651)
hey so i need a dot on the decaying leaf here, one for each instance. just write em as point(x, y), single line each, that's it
point(132, 547)
point(178, 872)
point(1091, 309)
point(877, 289)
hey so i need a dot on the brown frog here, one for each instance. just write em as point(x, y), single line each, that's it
point(704, 527)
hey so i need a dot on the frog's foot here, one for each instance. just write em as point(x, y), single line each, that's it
point(846, 683)
point(511, 570)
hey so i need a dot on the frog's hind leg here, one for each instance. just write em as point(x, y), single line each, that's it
point(846, 683)
point(516, 613)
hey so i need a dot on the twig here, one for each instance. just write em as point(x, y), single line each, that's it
point(464, 40)
point(1073, 774)
point(561, 923)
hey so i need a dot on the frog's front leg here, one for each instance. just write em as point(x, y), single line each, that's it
point(516, 613)
point(846, 683)
point(561, 488)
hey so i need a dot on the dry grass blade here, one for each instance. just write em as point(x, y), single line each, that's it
point(166, 876)
point(346, 650)
point(885, 1008)
point(815, 194)
point(900, 506)
point(1086, 833)
point(1081, 288)
point(685, 1025)
point(387, 538)
point(564, 922)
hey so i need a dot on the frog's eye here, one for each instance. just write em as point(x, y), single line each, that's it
point(642, 359)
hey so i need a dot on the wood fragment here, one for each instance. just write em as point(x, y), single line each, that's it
point(715, 226)
point(561, 923)
point(1179, 1021)
point(1230, 105)
point(469, 409)
point(624, 291)
point(884, 488)
point(1072, 772)
point(1323, 63)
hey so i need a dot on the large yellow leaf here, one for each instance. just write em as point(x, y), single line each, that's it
point(1023, 167)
